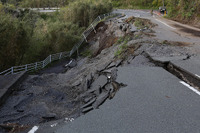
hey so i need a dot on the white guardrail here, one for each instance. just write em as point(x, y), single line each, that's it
point(39, 65)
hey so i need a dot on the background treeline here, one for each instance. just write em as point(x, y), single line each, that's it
point(37, 3)
point(30, 36)
point(188, 10)
point(178, 9)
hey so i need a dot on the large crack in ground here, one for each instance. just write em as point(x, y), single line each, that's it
point(87, 85)
point(183, 75)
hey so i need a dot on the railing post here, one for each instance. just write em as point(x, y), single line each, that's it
point(104, 15)
point(50, 58)
point(35, 65)
point(43, 64)
point(93, 28)
point(100, 18)
point(12, 70)
point(26, 67)
point(84, 37)
point(60, 56)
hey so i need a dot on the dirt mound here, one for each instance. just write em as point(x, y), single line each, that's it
point(104, 37)
point(173, 43)
point(99, 28)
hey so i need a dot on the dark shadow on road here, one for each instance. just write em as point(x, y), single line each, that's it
point(57, 67)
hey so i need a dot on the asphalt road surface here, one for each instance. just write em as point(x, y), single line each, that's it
point(166, 29)
point(154, 100)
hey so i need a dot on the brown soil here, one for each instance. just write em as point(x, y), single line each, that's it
point(14, 127)
point(193, 21)
point(99, 28)
point(105, 40)
point(181, 44)
point(149, 34)
point(188, 30)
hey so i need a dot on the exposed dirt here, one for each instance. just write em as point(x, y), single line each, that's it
point(173, 43)
point(105, 42)
point(149, 34)
point(99, 28)
point(192, 21)
point(104, 39)
point(188, 30)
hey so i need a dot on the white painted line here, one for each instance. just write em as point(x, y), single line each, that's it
point(190, 87)
point(165, 24)
point(34, 129)
point(197, 75)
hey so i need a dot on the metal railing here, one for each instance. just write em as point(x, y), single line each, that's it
point(61, 55)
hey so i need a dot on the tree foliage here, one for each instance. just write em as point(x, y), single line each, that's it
point(13, 42)
point(83, 12)
point(28, 36)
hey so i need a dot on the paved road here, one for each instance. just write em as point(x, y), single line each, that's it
point(191, 65)
point(166, 29)
point(154, 101)
point(173, 31)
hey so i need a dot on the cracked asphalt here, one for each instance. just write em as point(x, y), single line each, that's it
point(154, 101)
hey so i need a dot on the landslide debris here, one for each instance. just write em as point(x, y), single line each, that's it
point(140, 22)
point(89, 83)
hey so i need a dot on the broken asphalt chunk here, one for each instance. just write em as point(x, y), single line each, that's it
point(71, 64)
point(100, 81)
point(89, 103)
point(114, 74)
point(85, 110)
point(100, 99)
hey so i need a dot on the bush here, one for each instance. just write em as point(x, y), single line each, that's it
point(13, 42)
point(84, 12)
point(27, 36)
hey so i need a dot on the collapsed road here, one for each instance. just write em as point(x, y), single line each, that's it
point(148, 69)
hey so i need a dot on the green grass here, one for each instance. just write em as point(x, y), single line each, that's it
point(87, 53)
point(123, 47)
point(119, 53)
point(138, 23)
